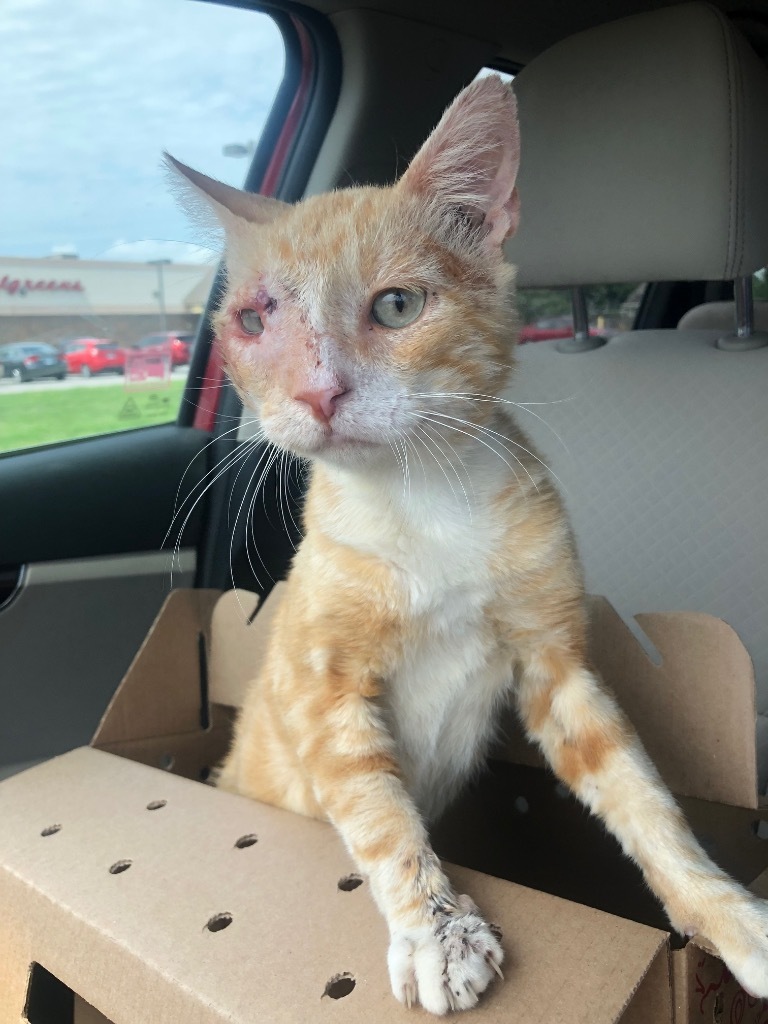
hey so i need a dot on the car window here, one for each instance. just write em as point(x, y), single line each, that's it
point(95, 254)
point(547, 313)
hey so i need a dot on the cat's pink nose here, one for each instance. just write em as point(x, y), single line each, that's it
point(322, 403)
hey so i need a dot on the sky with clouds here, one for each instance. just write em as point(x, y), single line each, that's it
point(94, 91)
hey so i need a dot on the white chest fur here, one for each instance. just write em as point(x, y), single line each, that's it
point(443, 697)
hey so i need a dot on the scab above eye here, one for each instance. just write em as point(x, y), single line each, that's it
point(398, 307)
point(250, 321)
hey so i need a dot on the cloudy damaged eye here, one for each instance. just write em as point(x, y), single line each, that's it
point(398, 307)
point(250, 321)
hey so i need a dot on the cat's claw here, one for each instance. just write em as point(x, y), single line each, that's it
point(495, 966)
point(445, 965)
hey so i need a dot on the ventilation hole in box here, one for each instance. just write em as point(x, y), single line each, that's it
point(155, 805)
point(51, 830)
point(339, 986)
point(49, 1001)
point(120, 866)
point(521, 805)
point(245, 841)
point(167, 762)
point(205, 773)
point(219, 922)
point(350, 882)
point(561, 792)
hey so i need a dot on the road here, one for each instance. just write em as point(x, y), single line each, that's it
point(9, 386)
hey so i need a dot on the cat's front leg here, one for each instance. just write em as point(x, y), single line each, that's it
point(442, 953)
point(596, 752)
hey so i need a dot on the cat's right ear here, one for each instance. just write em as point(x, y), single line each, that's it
point(201, 196)
point(469, 163)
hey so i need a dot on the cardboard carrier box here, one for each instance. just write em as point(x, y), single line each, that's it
point(132, 893)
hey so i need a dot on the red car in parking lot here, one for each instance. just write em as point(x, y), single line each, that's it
point(550, 328)
point(89, 356)
point(180, 345)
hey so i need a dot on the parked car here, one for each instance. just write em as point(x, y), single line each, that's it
point(180, 345)
point(550, 327)
point(88, 356)
point(31, 360)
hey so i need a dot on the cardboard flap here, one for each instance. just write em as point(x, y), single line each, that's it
point(695, 712)
point(239, 638)
point(200, 928)
point(161, 692)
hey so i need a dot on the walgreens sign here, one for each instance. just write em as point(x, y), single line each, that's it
point(18, 286)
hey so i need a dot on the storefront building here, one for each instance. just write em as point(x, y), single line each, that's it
point(59, 299)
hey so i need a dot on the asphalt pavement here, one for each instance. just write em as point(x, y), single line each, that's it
point(9, 386)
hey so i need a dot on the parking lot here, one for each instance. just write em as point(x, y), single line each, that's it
point(74, 381)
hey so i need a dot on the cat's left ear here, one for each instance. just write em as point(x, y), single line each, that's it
point(470, 161)
point(229, 205)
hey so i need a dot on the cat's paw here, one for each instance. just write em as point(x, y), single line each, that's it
point(739, 931)
point(445, 965)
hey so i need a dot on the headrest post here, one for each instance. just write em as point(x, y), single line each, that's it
point(582, 340)
point(746, 337)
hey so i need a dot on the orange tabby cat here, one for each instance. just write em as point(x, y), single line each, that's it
point(372, 332)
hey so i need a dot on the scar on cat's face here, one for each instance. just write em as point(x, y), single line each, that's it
point(338, 342)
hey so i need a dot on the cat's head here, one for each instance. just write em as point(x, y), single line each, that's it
point(349, 315)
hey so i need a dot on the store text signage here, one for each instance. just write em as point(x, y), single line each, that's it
point(17, 286)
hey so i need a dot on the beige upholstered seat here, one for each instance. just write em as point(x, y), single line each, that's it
point(666, 472)
point(720, 316)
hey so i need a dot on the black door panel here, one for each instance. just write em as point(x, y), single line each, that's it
point(108, 495)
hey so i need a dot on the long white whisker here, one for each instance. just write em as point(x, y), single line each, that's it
point(434, 434)
point(224, 464)
point(229, 460)
point(407, 467)
point(250, 535)
point(176, 507)
point(237, 518)
point(495, 433)
point(461, 461)
point(469, 396)
point(412, 445)
point(293, 465)
point(398, 458)
point(255, 442)
point(284, 471)
point(426, 438)
point(486, 445)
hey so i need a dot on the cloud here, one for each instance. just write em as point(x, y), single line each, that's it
point(92, 94)
point(178, 252)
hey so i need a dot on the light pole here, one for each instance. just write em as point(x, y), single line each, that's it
point(239, 149)
point(161, 289)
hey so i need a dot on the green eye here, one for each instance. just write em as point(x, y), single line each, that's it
point(250, 321)
point(398, 307)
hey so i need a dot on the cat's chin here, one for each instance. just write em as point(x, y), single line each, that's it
point(344, 451)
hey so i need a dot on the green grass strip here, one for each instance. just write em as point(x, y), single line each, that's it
point(50, 415)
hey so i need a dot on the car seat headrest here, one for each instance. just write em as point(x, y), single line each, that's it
point(644, 154)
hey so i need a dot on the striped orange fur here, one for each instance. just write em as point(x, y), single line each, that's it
point(437, 577)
